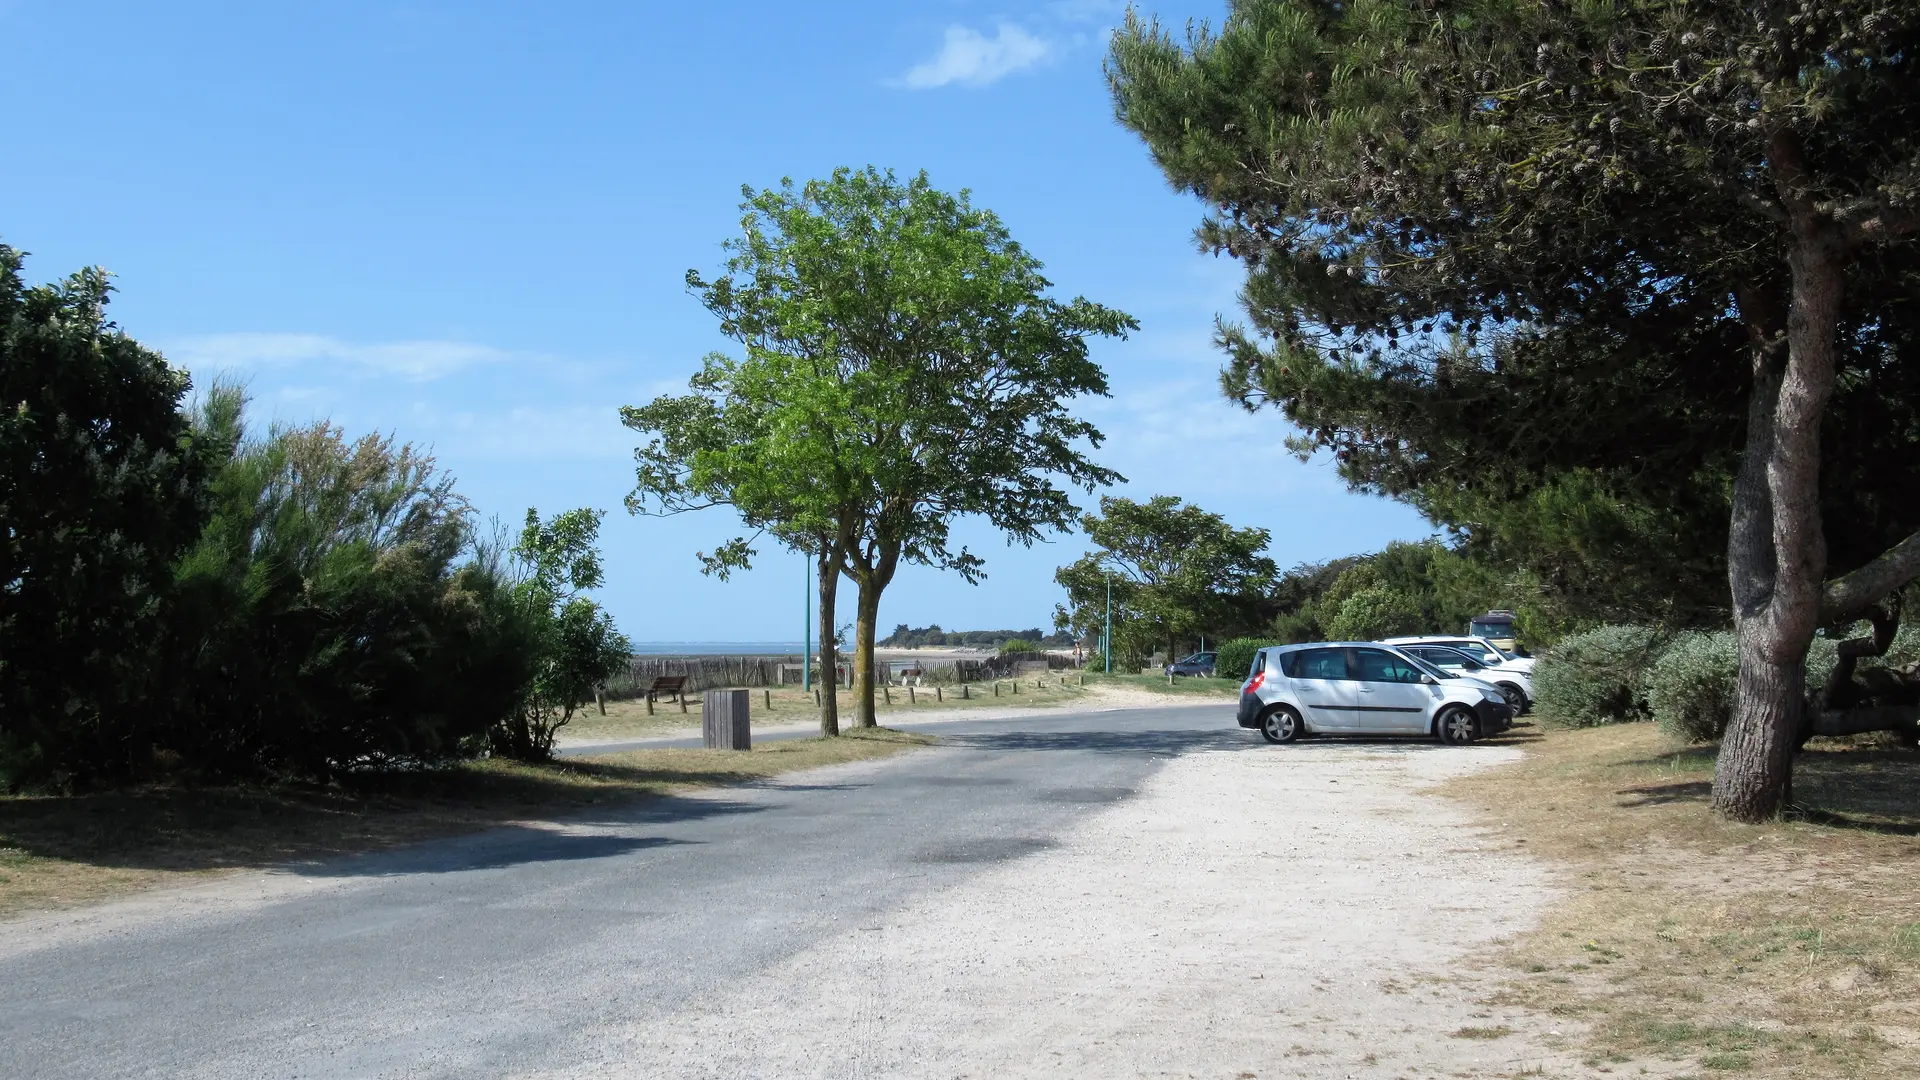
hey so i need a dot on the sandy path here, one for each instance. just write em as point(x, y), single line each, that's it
point(1300, 912)
point(1097, 699)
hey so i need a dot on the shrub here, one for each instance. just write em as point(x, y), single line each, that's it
point(1690, 688)
point(1233, 659)
point(1018, 645)
point(1598, 677)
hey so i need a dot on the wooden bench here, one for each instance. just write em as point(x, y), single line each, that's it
point(667, 686)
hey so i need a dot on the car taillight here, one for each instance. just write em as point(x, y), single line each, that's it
point(1254, 683)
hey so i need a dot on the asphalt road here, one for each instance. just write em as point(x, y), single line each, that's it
point(504, 951)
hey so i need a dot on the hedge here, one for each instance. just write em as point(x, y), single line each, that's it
point(1598, 677)
point(1233, 659)
point(1690, 689)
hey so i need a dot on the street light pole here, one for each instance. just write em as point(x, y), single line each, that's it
point(806, 629)
point(1106, 639)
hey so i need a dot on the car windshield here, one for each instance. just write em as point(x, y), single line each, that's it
point(1428, 668)
point(1482, 651)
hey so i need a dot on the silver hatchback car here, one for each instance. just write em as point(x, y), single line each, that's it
point(1364, 688)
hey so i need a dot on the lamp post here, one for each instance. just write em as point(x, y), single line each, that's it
point(1106, 638)
point(806, 629)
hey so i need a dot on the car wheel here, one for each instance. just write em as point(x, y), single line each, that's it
point(1456, 725)
point(1282, 725)
point(1516, 697)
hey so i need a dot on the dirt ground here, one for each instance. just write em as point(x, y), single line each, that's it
point(1286, 912)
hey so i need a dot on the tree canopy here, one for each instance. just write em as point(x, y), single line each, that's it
point(903, 366)
point(1651, 258)
point(1176, 572)
point(100, 490)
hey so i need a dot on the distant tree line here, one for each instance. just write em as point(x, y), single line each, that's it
point(1170, 575)
point(905, 637)
point(183, 595)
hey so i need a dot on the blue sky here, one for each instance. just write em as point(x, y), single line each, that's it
point(469, 223)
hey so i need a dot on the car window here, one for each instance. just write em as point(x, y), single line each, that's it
point(1474, 649)
point(1315, 664)
point(1449, 658)
point(1379, 665)
point(1259, 663)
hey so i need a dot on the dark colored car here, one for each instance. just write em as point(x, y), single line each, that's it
point(1200, 664)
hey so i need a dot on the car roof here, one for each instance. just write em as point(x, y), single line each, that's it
point(1327, 645)
point(1431, 639)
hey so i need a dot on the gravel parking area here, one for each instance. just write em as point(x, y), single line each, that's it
point(1301, 912)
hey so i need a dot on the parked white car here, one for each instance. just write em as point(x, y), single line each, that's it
point(1364, 688)
point(1513, 674)
point(1514, 685)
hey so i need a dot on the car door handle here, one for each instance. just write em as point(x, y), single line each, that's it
point(1366, 689)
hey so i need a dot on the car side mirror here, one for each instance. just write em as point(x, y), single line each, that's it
point(1429, 680)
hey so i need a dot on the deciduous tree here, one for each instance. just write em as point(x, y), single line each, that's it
point(901, 348)
point(1176, 571)
point(101, 488)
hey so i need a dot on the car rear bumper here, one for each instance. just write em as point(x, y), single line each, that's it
point(1249, 710)
point(1494, 717)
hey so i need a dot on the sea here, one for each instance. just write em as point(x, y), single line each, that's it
point(717, 648)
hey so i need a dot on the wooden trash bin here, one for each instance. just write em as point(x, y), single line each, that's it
point(723, 719)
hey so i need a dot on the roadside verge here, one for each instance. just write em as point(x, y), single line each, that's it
point(1790, 949)
point(65, 851)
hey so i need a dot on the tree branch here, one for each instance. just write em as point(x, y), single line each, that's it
point(1850, 596)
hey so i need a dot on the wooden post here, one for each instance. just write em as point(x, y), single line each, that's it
point(683, 700)
point(888, 691)
point(1016, 686)
point(911, 699)
point(937, 695)
point(600, 700)
point(965, 692)
point(649, 704)
point(996, 688)
point(767, 699)
point(816, 697)
point(724, 723)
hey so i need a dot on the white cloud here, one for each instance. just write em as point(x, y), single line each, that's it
point(415, 361)
point(527, 433)
point(970, 58)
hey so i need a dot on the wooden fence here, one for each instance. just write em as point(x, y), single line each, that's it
point(723, 672)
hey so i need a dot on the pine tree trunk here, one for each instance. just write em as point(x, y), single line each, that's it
point(1777, 551)
point(827, 568)
point(1754, 775)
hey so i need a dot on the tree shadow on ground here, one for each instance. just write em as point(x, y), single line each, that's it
point(1104, 742)
point(495, 849)
point(305, 827)
point(1839, 784)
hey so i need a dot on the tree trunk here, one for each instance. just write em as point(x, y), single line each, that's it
point(872, 570)
point(827, 568)
point(1754, 775)
point(866, 614)
point(1777, 551)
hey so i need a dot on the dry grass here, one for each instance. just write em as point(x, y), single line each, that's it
point(65, 851)
point(1790, 949)
point(630, 719)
